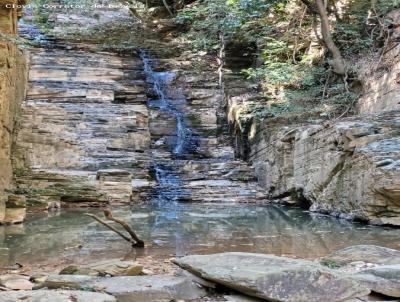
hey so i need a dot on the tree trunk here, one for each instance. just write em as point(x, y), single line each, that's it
point(338, 63)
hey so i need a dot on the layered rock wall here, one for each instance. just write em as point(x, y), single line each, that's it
point(12, 92)
point(84, 133)
point(349, 169)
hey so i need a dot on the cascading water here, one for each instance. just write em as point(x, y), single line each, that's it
point(169, 184)
point(185, 140)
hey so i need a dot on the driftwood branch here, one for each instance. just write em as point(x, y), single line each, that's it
point(127, 227)
point(134, 240)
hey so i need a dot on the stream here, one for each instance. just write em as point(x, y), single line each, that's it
point(176, 230)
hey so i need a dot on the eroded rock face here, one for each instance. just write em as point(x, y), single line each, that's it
point(350, 168)
point(13, 73)
point(55, 296)
point(273, 278)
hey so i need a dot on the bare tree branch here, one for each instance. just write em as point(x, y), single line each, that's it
point(127, 227)
point(134, 240)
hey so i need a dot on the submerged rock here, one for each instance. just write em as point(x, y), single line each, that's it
point(382, 279)
point(274, 278)
point(137, 288)
point(54, 296)
point(366, 253)
point(113, 267)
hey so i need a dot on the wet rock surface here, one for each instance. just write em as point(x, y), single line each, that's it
point(273, 278)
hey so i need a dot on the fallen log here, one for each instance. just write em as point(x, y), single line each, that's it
point(134, 240)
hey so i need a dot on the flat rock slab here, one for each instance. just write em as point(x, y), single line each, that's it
point(132, 288)
point(274, 278)
point(15, 282)
point(112, 267)
point(54, 296)
point(366, 253)
point(382, 279)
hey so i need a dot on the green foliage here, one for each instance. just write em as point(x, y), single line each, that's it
point(209, 19)
point(293, 69)
point(330, 263)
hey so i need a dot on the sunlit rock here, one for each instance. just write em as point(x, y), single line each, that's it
point(273, 278)
point(349, 168)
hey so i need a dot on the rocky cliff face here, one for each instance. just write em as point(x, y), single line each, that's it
point(99, 126)
point(84, 132)
point(380, 75)
point(349, 167)
point(12, 92)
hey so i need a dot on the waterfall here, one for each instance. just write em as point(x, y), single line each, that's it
point(161, 82)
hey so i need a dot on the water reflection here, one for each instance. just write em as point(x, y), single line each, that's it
point(189, 228)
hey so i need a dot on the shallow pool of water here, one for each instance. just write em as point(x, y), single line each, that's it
point(179, 229)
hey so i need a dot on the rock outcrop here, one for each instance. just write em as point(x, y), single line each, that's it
point(84, 133)
point(273, 278)
point(13, 73)
point(349, 168)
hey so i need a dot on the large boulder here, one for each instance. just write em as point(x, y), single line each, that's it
point(131, 288)
point(112, 267)
point(54, 296)
point(274, 278)
point(366, 253)
point(382, 279)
